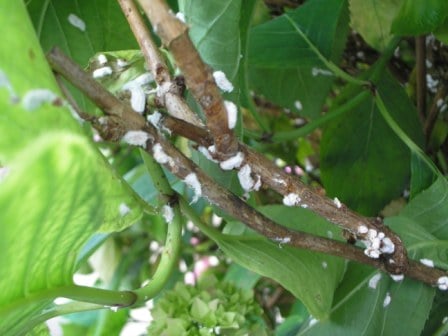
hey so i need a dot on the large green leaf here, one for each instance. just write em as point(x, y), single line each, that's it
point(289, 74)
point(21, 122)
point(311, 277)
point(359, 309)
point(420, 17)
point(58, 190)
point(50, 207)
point(373, 20)
point(369, 172)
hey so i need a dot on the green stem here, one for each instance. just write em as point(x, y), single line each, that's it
point(170, 254)
point(168, 260)
point(330, 65)
point(157, 175)
point(402, 135)
point(330, 115)
point(98, 296)
point(56, 310)
point(79, 293)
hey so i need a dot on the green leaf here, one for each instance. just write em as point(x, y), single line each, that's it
point(241, 277)
point(320, 21)
point(420, 17)
point(22, 122)
point(228, 179)
point(373, 20)
point(292, 87)
point(290, 327)
point(442, 32)
point(421, 176)
point(369, 172)
point(436, 321)
point(359, 309)
point(24, 68)
point(58, 190)
point(214, 30)
point(310, 276)
point(51, 207)
point(419, 242)
point(430, 209)
point(218, 29)
point(106, 29)
point(286, 75)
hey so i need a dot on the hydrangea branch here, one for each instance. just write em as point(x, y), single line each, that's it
point(174, 34)
point(273, 177)
point(198, 76)
point(168, 91)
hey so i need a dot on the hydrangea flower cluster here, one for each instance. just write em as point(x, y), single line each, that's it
point(210, 308)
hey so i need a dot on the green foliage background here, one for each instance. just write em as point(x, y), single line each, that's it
point(61, 196)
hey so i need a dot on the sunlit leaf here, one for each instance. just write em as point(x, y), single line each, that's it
point(50, 208)
point(58, 189)
point(420, 17)
point(373, 20)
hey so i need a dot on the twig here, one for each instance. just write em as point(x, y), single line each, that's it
point(420, 54)
point(105, 100)
point(198, 76)
point(285, 184)
point(168, 90)
point(71, 100)
point(175, 35)
point(200, 81)
point(181, 166)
